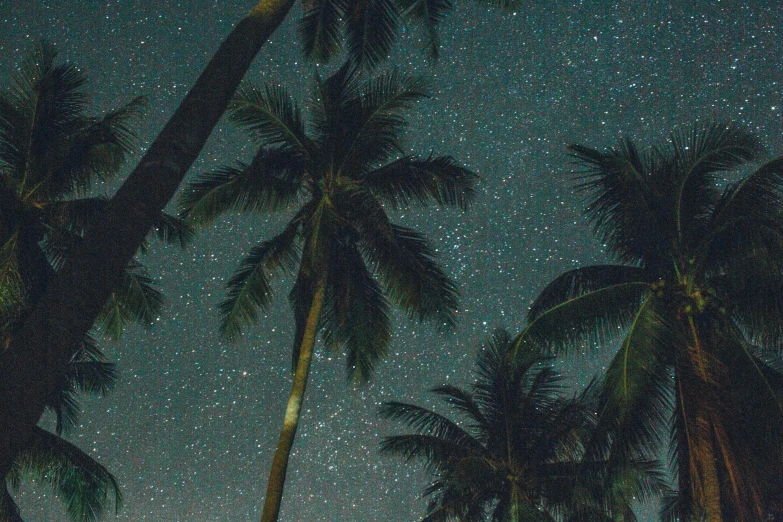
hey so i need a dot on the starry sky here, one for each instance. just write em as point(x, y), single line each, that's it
point(190, 430)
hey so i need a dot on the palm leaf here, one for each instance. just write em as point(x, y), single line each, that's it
point(635, 396)
point(440, 180)
point(372, 27)
point(84, 485)
point(428, 14)
point(370, 132)
point(407, 269)
point(272, 182)
point(320, 28)
point(272, 117)
point(580, 281)
point(586, 319)
point(696, 157)
point(357, 315)
point(249, 288)
point(620, 202)
point(97, 151)
point(135, 299)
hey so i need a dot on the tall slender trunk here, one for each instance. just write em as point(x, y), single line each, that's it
point(47, 338)
point(274, 488)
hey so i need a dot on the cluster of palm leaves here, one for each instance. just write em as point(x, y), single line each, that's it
point(695, 295)
point(51, 154)
point(524, 452)
point(334, 173)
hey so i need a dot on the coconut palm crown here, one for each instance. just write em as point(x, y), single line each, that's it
point(698, 299)
point(335, 176)
point(519, 451)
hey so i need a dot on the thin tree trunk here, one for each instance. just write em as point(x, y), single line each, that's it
point(47, 338)
point(274, 488)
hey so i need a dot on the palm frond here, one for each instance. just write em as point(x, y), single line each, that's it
point(320, 28)
point(370, 133)
point(635, 392)
point(272, 117)
point(249, 288)
point(372, 27)
point(97, 151)
point(621, 204)
point(272, 182)
point(136, 299)
point(581, 281)
point(695, 157)
point(434, 179)
point(408, 271)
point(85, 486)
point(171, 229)
point(428, 14)
point(586, 319)
point(357, 314)
point(463, 402)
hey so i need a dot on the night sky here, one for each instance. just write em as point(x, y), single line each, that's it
point(191, 428)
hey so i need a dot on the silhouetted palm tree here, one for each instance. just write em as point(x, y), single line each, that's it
point(50, 335)
point(698, 300)
point(350, 261)
point(51, 152)
point(519, 454)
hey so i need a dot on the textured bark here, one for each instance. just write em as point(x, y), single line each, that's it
point(48, 337)
point(274, 488)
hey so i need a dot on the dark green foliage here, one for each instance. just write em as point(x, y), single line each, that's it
point(339, 168)
point(84, 485)
point(520, 452)
point(371, 28)
point(51, 154)
point(698, 312)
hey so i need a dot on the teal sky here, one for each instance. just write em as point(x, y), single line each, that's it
point(190, 430)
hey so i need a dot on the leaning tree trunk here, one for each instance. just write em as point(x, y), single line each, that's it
point(274, 488)
point(44, 342)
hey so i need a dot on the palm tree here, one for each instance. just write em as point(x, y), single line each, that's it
point(51, 153)
point(520, 452)
point(84, 485)
point(698, 298)
point(51, 334)
point(350, 261)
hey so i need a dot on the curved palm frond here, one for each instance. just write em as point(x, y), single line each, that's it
point(369, 128)
point(428, 14)
point(356, 314)
point(434, 179)
point(581, 281)
point(270, 183)
point(86, 372)
point(620, 205)
point(371, 27)
point(97, 152)
point(84, 485)
point(407, 269)
point(272, 117)
point(695, 157)
point(249, 287)
point(586, 319)
point(635, 396)
point(136, 299)
point(320, 28)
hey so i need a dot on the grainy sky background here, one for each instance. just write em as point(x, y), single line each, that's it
point(191, 428)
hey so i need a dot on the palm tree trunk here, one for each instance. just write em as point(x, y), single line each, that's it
point(274, 488)
point(44, 342)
